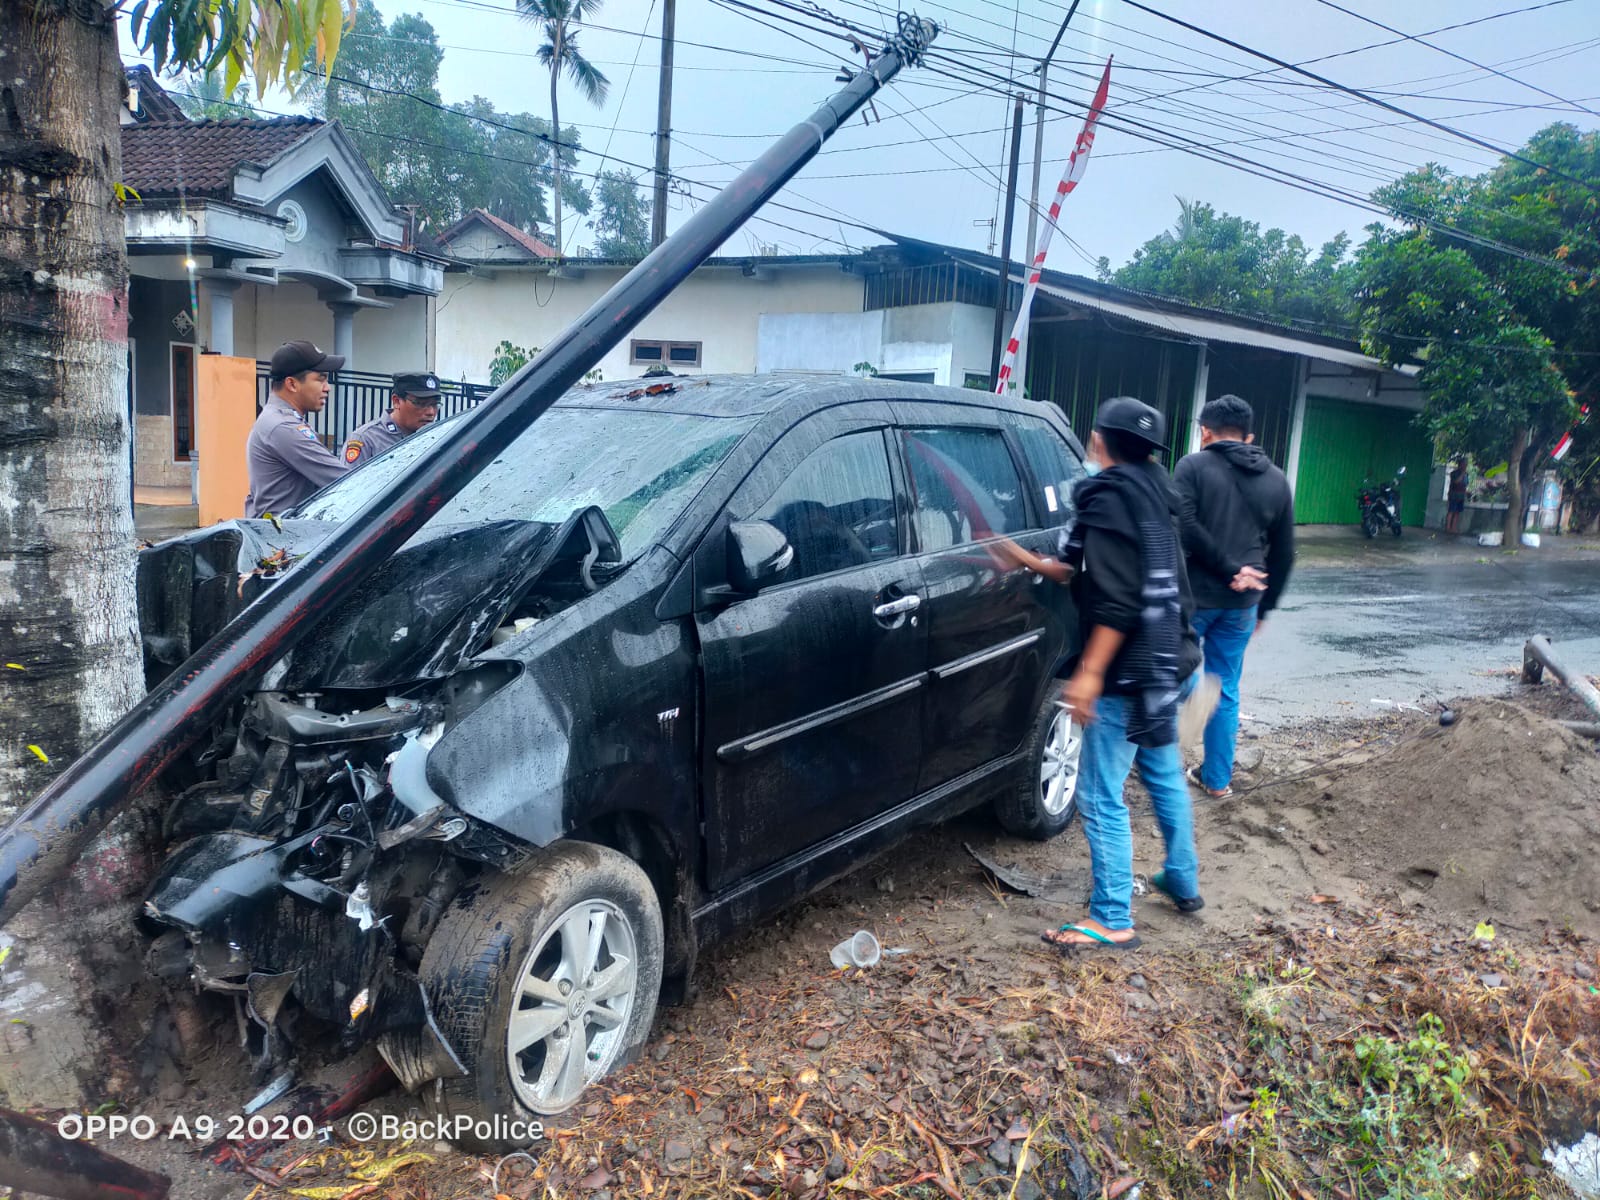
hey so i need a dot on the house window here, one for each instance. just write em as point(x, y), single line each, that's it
point(182, 401)
point(672, 354)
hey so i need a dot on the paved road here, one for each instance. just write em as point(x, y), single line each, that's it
point(1400, 620)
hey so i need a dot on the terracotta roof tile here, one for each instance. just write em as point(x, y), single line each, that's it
point(199, 158)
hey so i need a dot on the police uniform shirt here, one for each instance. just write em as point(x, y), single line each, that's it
point(287, 461)
point(372, 439)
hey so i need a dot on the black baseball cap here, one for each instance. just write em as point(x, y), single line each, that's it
point(1135, 418)
point(419, 385)
point(293, 357)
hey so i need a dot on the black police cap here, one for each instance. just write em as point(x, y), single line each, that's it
point(1135, 418)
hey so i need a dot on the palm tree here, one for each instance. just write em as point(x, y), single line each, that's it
point(560, 53)
point(1188, 220)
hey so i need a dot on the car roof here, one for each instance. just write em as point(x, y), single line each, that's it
point(758, 395)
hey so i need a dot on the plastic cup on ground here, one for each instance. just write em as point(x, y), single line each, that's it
point(861, 949)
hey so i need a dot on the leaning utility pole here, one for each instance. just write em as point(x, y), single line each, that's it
point(1005, 245)
point(1021, 375)
point(52, 831)
point(658, 215)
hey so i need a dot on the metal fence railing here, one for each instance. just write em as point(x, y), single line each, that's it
point(361, 396)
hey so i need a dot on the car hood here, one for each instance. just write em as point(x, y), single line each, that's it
point(417, 617)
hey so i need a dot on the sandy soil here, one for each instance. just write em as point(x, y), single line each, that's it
point(1370, 834)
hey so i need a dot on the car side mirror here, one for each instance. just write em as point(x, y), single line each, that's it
point(758, 556)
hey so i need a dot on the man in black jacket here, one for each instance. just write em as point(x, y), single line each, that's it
point(1125, 562)
point(1238, 536)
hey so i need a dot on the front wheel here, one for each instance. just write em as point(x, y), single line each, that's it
point(542, 982)
point(1044, 798)
point(1394, 528)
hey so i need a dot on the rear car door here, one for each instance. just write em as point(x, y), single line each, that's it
point(813, 686)
point(994, 631)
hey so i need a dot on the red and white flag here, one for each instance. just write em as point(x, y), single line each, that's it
point(1069, 180)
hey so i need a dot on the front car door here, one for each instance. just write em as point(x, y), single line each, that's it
point(995, 631)
point(813, 687)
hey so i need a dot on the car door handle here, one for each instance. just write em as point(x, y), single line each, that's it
point(895, 607)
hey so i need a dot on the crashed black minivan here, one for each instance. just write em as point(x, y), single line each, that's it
point(687, 650)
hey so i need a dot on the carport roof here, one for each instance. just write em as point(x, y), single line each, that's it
point(1165, 315)
point(1208, 329)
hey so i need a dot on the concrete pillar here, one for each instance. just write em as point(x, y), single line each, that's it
point(219, 293)
point(344, 330)
point(1202, 374)
point(1297, 418)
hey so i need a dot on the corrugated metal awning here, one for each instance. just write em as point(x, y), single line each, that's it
point(1204, 329)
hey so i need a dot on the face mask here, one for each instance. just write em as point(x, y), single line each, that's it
point(1090, 467)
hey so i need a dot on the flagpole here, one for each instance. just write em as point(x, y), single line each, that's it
point(1069, 181)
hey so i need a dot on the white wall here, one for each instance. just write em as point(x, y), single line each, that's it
point(825, 341)
point(386, 340)
point(719, 307)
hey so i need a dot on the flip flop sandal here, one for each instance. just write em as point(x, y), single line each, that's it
point(1184, 904)
point(1096, 939)
point(1193, 776)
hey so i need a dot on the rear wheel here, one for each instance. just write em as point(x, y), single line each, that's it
point(1369, 525)
point(542, 982)
point(1044, 798)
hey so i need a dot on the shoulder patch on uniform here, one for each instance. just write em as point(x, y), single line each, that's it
point(352, 451)
point(392, 427)
point(306, 429)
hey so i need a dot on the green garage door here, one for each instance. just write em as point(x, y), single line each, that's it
point(1342, 444)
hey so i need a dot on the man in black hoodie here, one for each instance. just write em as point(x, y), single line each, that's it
point(1238, 537)
point(1125, 563)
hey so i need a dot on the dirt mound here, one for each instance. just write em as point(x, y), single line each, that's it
point(1494, 818)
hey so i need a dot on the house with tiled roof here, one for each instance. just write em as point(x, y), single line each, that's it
point(244, 234)
point(482, 237)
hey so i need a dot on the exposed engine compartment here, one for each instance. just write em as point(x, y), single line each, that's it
point(309, 858)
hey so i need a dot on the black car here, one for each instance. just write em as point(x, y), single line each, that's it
point(686, 651)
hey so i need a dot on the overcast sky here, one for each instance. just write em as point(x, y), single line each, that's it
point(932, 163)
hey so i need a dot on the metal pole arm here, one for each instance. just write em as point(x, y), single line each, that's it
point(51, 832)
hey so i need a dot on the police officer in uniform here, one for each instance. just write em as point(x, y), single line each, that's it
point(413, 404)
point(286, 459)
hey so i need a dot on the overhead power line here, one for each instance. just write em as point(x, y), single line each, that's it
point(1421, 40)
point(1360, 95)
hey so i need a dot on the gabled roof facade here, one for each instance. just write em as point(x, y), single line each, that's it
point(505, 237)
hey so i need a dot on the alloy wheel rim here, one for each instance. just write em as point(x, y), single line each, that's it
point(574, 995)
point(1058, 765)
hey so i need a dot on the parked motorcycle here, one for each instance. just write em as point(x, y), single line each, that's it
point(1380, 505)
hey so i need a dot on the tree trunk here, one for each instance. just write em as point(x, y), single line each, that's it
point(68, 623)
point(67, 610)
point(1514, 516)
point(555, 139)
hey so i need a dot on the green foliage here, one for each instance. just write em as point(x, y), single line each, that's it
point(509, 358)
point(1386, 1111)
point(274, 40)
point(203, 98)
point(865, 370)
point(445, 159)
point(1500, 336)
point(622, 222)
point(559, 54)
point(1222, 261)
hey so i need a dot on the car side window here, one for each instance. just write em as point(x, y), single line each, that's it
point(837, 507)
point(965, 486)
point(1054, 466)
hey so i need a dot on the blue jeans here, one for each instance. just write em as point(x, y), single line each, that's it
point(1107, 757)
point(1224, 634)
